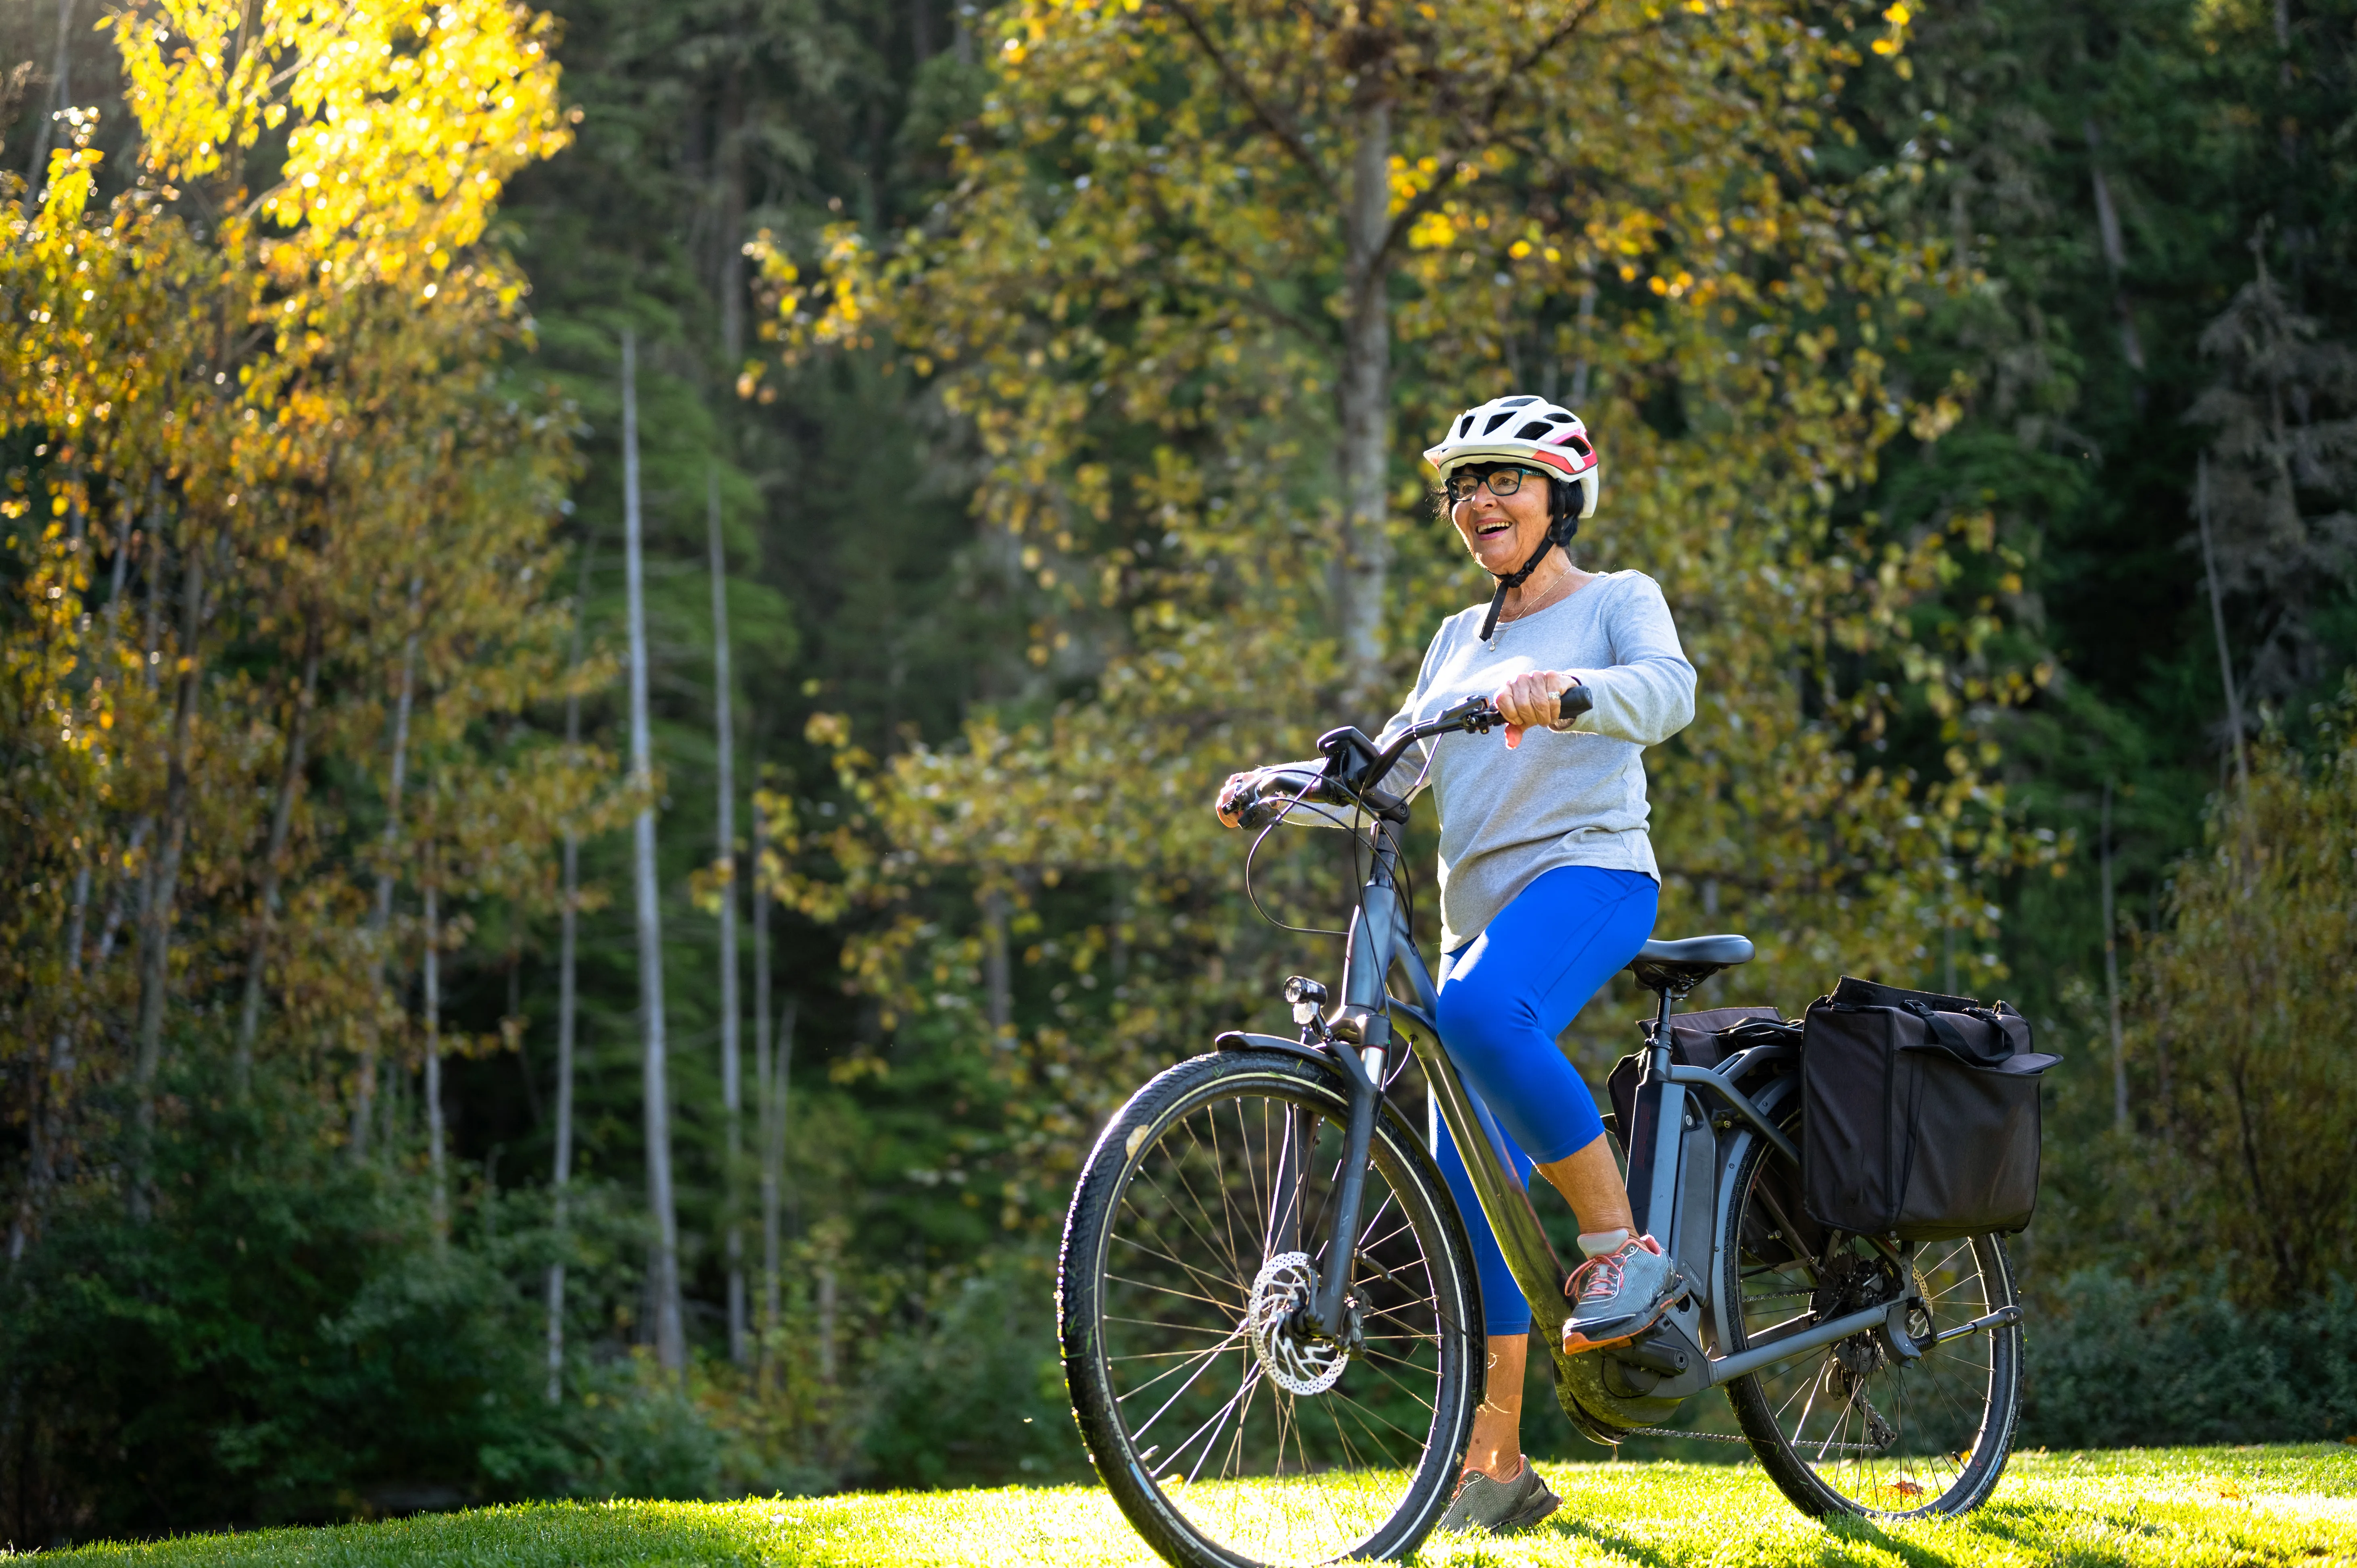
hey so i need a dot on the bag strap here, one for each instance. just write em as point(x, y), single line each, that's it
point(1950, 1038)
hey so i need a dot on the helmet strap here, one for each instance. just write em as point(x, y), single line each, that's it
point(1511, 581)
point(1561, 527)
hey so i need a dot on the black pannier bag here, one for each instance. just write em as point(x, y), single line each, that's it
point(1920, 1114)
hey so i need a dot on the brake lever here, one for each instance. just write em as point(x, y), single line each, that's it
point(1476, 715)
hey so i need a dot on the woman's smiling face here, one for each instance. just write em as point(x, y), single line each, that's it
point(1501, 534)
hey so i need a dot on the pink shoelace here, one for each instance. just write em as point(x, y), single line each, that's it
point(1598, 1279)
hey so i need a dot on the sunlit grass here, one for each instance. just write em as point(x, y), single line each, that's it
point(2240, 1506)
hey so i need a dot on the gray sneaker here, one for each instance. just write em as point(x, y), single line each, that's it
point(1484, 1507)
point(1618, 1296)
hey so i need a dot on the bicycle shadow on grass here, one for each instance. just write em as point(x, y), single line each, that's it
point(2030, 1527)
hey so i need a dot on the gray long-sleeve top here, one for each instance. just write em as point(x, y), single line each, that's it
point(1569, 797)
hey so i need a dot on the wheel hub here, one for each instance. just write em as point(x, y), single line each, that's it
point(1294, 1360)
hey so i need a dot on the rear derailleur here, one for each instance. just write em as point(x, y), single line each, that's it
point(1851, 1283)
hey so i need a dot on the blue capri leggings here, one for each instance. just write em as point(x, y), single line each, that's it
point(1504, 997)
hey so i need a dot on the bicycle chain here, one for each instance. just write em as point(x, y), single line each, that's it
point(1673, 1431)
point(1724, 1438)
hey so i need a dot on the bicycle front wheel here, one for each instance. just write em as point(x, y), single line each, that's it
point(1857, 1427)
point(1227, 1435)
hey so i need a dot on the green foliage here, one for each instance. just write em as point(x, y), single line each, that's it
point(298, 1344)
point(2154, 1363)
point(977, 1397)
point(2240, 1029)
point(294, 1339)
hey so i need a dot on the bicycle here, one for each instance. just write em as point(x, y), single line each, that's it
point(1247, 1403)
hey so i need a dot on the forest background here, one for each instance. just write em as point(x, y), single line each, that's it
point(1917, 345)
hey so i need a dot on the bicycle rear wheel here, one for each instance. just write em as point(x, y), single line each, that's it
point(1855, 1427)
point(1226, 1436)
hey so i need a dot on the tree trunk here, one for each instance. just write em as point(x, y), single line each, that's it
point(113, 927)
point(998, 988)
point(45, 1119)
point(826, 1323)
point(2218, 625)
point(670, 1330)
point(436, 1164)
point(47, 1124)
point(1365, 396)
point(732, 1072)
point(569, 928)
point(381, 914)
point(2112, 976)
point(765, 1108)
point(155, 917)
point(60, 99)
point(2115, 251)
point(266, 914)
point(773, 1216)
point(728, 281)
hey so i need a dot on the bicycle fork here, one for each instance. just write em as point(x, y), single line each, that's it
point(1358, 1038)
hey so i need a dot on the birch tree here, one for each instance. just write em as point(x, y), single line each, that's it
point(568, 917)
point(663, 1273)
point(723, 876)
point(437, 1167)
point(381, 909)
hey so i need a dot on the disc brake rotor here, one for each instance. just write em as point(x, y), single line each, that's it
point(1295, 1364)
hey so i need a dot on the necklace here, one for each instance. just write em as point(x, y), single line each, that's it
point(1553, 592)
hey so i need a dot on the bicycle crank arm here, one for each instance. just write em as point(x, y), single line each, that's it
point(1745, 1362)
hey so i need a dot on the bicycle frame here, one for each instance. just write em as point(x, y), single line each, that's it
point(1674, 1168)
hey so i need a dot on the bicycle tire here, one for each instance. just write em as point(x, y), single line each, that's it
point(1356, 1470)
point(1956, 1408)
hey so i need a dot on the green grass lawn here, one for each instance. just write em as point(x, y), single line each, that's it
point(2241, 1507)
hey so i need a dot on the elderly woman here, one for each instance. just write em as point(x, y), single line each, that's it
point(1547, 879)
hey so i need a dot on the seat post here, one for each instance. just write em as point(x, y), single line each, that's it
point(1659, 1058)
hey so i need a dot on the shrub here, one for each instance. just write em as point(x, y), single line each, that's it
point(977, 1396)
point(2125, 1365)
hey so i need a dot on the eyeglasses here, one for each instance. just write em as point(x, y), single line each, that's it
point(1503, 480)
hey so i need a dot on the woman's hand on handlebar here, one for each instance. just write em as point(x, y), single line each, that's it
point(1531, 702)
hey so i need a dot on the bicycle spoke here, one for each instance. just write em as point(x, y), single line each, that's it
point(1208, 1281)
point(1147, 1425)
point(1167, 1373)
point(1167, 1290)
point(1178, 1328)
point(1191, 1225)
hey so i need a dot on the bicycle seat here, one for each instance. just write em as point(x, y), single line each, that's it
point(1680, 966)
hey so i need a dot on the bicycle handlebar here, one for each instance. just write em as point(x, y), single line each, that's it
point(1355, 770)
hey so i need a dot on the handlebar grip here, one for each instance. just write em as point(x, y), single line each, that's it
point(1275, 795)
point(1257, 810)
point(1577, 700)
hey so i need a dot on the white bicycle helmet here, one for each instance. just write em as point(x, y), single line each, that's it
point(1523, 429)
point(1526, 429)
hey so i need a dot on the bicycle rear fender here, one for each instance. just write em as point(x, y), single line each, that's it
point(1771, 1099)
